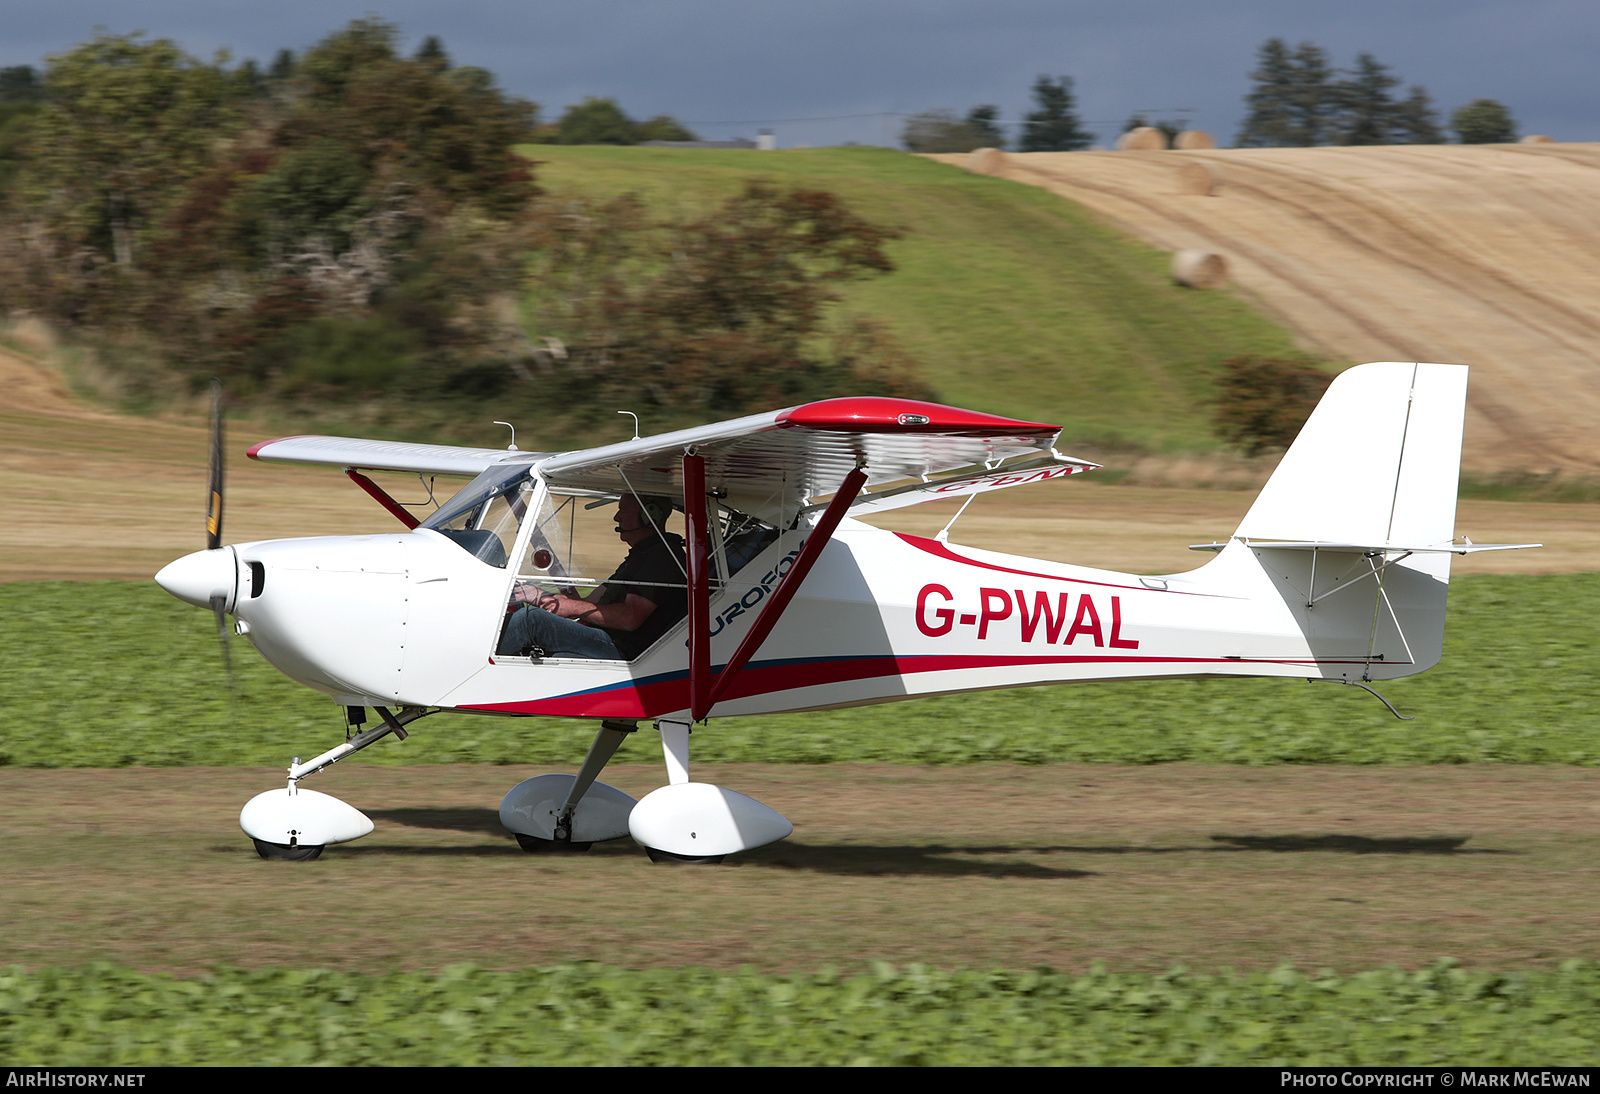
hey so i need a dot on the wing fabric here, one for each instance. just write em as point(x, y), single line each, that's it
point(423, 459)
point(774, 464)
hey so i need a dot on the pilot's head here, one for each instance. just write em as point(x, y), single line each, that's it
point(639, 517)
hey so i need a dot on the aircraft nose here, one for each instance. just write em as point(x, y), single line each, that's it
point(196, 578)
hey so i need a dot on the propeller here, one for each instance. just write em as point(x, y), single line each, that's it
point(214, 520)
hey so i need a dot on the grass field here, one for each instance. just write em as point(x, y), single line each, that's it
point(1013, 301)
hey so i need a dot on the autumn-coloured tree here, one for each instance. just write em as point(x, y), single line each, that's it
point(723, 313)
point(1263, 401)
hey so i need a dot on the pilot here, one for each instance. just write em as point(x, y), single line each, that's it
point(619, 620)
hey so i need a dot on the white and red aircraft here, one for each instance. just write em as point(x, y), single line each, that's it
point(1339, 571)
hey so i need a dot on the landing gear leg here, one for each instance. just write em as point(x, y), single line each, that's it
point(543, 812)
point(690, 822)
point(294, 825)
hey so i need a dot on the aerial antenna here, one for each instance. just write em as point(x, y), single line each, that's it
point(635, 418)
point(512, 447)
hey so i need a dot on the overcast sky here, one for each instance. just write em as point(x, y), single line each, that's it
point(833, 71)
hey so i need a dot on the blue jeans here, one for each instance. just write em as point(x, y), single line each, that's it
point(556, 636)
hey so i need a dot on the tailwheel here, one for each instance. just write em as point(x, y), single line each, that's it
point(536, 846)
point(285, 852)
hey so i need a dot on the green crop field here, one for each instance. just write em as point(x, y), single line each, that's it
point(1012, 300)
point(915, 1016)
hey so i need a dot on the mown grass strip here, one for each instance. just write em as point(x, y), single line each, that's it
point(591, 1014)
point(119, 673)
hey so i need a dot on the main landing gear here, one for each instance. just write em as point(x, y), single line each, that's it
point(682, 822)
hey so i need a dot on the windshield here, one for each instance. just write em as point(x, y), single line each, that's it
point(484, 516)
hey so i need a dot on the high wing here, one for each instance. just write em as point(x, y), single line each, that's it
point(353, 452)
point(776, 464)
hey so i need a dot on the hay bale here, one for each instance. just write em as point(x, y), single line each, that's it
point(1196, 269)
point(986, 161)
point(1536, 138)
point(1199, 177)
point(1145, 138)
point(1192, 139)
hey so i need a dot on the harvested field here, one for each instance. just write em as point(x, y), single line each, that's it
point(1480, 255)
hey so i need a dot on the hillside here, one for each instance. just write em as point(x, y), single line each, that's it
point(1011, 300)
point(1482, 255)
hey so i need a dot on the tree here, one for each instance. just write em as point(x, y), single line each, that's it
point(20, 84)
point(1367, 114)
point(1483, 121)
point(1270, 123)
point(940, 131)
point(1053, 126)
point(1313, 103)
point(1295, 101)
point(596, 121)
point(125, 123)
point(662, 127)
point(266, 227)
point(432, 53)
point(1263, 401)
point(1416, 121)
point(984, 121)
point(720, 314)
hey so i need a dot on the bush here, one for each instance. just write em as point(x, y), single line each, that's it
point(1263, 401)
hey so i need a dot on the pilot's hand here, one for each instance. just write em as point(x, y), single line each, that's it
point(528, 594)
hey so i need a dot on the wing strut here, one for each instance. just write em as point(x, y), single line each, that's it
point(699, 558)
point(781, 596)
point(381, 496)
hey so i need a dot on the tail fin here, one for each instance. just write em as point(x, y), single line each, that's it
point(1352, 528)
point(1376, 464)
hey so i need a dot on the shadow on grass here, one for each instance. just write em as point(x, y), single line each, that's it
point(932, 860)
point(475, 819)
point(1355, 845)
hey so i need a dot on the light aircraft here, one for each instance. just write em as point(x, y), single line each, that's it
point(1339, 571)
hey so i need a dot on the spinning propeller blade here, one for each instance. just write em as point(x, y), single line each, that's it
point(214, 497)
point(214, 520)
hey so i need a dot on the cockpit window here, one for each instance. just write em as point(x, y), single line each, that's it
point(484, 516)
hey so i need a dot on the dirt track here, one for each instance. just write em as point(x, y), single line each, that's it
point(979, 866)
point(1480, 255)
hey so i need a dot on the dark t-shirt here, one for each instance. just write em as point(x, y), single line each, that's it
point(653, 570)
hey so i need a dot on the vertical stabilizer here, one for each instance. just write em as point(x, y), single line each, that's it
point(1376, 464)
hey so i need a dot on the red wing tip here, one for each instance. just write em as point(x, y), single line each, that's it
point(884, 414)
point(254, 450)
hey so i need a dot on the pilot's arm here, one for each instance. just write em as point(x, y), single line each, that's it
point(627, 614)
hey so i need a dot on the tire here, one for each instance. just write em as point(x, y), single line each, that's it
point(536, 846)
point(670, 859)
point(282, 852)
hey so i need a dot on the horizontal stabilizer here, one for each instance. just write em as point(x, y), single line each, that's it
point(1374, 548)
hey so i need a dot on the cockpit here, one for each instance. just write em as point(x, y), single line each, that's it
point(566, 541)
